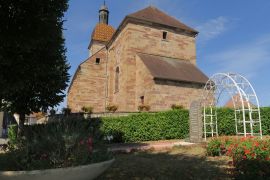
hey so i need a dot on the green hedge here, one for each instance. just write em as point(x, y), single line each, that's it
point(265, 118)
point(147, 126)
point(226, 122)
point(172, 124)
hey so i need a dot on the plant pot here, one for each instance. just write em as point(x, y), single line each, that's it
point(85, 172)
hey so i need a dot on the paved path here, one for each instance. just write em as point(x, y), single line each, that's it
point(157, 145)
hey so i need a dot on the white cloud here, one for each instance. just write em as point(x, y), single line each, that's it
point(212, 28)
point(246, 58)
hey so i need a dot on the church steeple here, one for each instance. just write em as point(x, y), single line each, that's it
point(104, 14)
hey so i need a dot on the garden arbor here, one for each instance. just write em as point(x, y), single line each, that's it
point(244, 101)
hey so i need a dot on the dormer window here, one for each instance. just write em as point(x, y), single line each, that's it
point(97, 60)
point(164, 35)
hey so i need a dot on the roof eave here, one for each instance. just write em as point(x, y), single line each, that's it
point(178, 80)
point(99, 41)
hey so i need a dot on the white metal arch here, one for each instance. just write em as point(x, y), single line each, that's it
point(244, 99)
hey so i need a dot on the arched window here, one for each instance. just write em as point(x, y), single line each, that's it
point(117, 79)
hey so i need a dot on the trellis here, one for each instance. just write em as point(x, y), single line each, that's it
point(245, 102)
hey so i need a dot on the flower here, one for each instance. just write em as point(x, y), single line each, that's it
point(81, 142)
point(90, 141)
point(247, 151)
point(44, 156)
point(90, 144)
point(256, 144)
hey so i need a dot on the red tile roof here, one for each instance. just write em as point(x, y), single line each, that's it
point(166, 68)
point(103, 32)
point(238, 103)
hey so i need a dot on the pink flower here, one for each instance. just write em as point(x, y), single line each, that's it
point(81, 142)
point(44, 156)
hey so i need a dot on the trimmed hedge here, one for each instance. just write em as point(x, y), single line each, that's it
point(147, 126)
point(226, 122)
point(265, 118)
point(172, 124)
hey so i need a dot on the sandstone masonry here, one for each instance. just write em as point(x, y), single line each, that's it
point(125, 78)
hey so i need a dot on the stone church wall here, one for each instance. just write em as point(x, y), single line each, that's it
point(89, 83)
point(165, 93)
point(142, 39)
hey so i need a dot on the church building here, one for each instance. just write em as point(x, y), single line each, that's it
point(150, 59)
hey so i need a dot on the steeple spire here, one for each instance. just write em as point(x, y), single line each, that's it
point(104, 14)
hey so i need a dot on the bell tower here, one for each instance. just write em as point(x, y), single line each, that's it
point(104, 14)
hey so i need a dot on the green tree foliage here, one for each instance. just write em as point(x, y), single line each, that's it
point(33, 65)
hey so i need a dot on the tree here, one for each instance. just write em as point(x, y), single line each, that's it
point(33, 65)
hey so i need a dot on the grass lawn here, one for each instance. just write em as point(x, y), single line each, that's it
point(189, 162)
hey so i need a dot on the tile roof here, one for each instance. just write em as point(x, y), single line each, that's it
point(238, 104)
point(152, 14)
point(173, 69)
point(103, 32)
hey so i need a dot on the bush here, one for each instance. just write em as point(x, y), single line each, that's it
point(214, 148)
point(265, 118)
point(112, 108)
point(12, 136)
point(251, 156)
point(87, 109)
point(64, 143)
point(143, 108)
point(177, 106)
point(66, 111)
point(147, 126)
point(226, 121)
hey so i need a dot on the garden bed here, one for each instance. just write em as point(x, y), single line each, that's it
point(67, 149)
point(250, 155)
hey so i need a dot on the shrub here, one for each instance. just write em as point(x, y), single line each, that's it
point(143, 108)
point(177, 106)
point(251, 156)
point(112, 108)
point(12, 136)
point(214, 147)
point(265, 118)
point(147, 126)
point(52, 112)
point(87, 109)
point(66, 111)
point(226, 121)
point(64, 143)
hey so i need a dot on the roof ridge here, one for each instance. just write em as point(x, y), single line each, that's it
point(154, 14)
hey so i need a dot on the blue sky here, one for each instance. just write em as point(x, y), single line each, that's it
point(234, 35)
